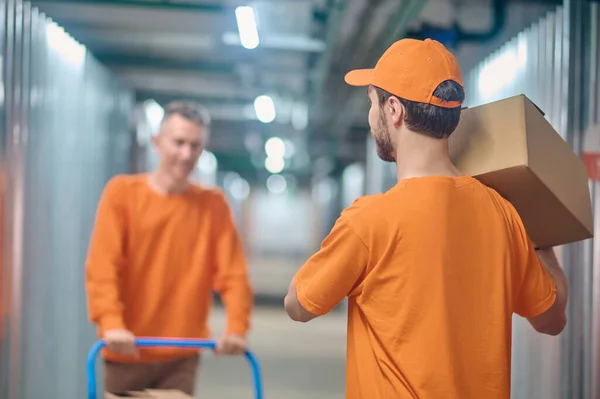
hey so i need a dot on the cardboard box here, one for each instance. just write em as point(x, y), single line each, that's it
point(509, 146)
point(151, 394)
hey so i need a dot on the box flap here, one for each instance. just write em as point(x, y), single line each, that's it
point(535, 105)
point(518, 95)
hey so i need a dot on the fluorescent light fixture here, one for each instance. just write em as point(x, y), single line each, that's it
point(246, 23)
point(275, 148)
point(276, 184)
point(265, 109)
point(274, 164)
point(279, 42)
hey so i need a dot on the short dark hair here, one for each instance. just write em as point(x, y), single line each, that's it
point(428, 119)
point(189, 110)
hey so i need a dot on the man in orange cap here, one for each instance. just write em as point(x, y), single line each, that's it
point(435, 267)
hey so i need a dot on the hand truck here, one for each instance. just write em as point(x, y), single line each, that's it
point(173, 343)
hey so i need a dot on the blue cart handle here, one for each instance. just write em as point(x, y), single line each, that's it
point(173, 343)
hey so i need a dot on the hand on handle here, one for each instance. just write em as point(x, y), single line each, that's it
point(121, 341)
point(231, 344)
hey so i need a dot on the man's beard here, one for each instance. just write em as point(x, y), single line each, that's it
point(383, 142)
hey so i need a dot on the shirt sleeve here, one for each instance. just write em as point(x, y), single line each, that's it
point(232, 280)
point(536, 291)
point(334, 271)
point(105, 257)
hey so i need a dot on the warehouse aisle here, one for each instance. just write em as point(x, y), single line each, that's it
point(298, 360)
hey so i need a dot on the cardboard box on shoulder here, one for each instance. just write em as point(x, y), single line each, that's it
point(151, 394)
point(509, 146)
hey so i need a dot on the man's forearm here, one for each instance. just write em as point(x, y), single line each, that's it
point(294, 308)
point(105, 307)
point(112, 322)
point(550, 261)
point(238, 300)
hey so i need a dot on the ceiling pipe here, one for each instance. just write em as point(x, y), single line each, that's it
point(133, 61)
point(337, 9)
point(397, 27)
point(454, 35)
point(331, 86)
point(350, 55)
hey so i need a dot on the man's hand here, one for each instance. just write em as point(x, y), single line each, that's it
point(121, 341)
point(231, 344)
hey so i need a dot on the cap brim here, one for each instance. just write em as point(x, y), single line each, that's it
point(359, 77)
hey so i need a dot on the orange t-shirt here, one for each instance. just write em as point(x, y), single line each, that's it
point(433, 269)
point(155, 259)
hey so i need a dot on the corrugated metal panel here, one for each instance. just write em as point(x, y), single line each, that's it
point(594, 283)
point(555, 63)
point(66, 132)
point(529, 64)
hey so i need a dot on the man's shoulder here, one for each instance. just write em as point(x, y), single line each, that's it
point(122, 182)
point(211, 195)
point(362, 206)
point(508, 209)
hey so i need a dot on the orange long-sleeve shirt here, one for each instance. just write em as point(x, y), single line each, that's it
point(155, 259)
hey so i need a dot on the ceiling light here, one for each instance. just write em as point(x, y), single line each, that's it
point(275, 147)
point(274, 164)
point(265, 109)
point(246, 23)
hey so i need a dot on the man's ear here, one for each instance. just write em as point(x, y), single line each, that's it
point(397, 110)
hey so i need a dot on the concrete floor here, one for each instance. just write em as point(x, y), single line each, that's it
point(297, 360)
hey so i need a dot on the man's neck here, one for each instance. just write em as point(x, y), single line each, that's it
point(165, 184)
point(420, 156)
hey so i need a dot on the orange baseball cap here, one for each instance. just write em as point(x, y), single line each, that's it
point(412, 69)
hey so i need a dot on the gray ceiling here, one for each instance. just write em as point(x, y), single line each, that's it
point(166, 50)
